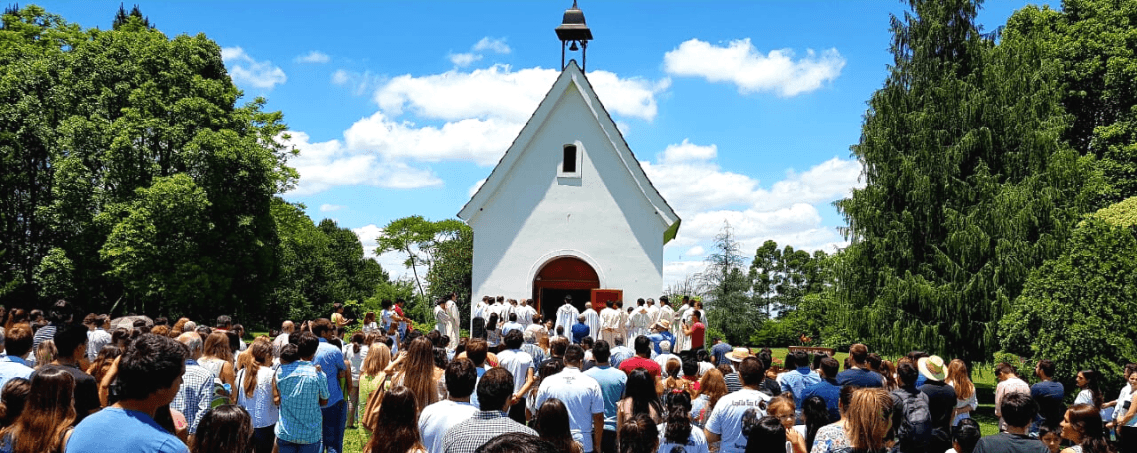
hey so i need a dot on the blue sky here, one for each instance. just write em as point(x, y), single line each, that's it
point(739, 111)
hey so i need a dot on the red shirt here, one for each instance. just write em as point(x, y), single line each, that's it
point(698, 335)
point(630, 365)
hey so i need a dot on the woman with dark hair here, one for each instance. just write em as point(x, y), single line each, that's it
point(45, 423)
point(1082, 425)
point(640, 397)
point(638, 435)
point(397, 421)
point(257, 395)
point(1090, 383)
point(677, 434)
point(766, 435)
point(223, 429)
point(99, 369)
point(552, 423)
point(832, 437)
point(415, 370)
point(369, 324)
point(816, 415)
point(493, 332)
point(217, 357)
point(12, 400)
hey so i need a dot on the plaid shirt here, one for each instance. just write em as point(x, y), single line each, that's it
point(195, 394)
point(301, 389)
point(467, 436)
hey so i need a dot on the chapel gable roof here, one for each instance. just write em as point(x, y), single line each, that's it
point(573, 78)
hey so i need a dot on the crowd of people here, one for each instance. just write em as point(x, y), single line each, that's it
point(622, 382)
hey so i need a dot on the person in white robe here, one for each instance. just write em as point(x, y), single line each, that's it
point(625, 323)
point(566, 316)
point(610, 323)
point(641, 321)
point(668, 314)
point(652, 312)
point(525, 313)
point(453, 331)
point(592, 319)
point(441, 317)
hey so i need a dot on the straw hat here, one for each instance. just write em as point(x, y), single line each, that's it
point(932, 368)
point(663, 324)
point(738, 354)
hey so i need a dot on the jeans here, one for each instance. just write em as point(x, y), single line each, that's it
point(289, 447)
point(334, 417)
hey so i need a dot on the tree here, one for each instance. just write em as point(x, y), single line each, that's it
point(410, 236)
point(969, 186)
point(764, 276)
point(121, 18)
point(453, 265)
point(94, 126)
point(1077, 309)
point(725, 288)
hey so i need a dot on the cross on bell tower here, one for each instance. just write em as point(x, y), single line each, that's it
point(574, 30)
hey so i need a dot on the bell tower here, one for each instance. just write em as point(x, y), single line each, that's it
point(574, 31)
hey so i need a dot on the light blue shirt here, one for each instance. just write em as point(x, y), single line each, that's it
point(13, 367)
point(117, 429)
point(511, 325)
point(612, 382)
point(796, 381)
point(330, 360)
point(301, 387)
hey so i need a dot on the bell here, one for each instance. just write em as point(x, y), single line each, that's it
point(573, 47)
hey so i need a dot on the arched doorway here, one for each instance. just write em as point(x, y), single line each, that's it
point(562, 277)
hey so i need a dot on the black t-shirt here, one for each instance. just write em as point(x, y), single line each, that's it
point(1010, 443)
point(86, 395)
point(941, 402)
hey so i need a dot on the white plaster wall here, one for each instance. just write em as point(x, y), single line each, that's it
point(534, 217)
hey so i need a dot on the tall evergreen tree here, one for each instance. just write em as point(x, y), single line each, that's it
point(968, 184)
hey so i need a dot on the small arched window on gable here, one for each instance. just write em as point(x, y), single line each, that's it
point(571, 159)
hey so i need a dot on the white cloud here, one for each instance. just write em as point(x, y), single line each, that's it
point(475, 140)
point(247, 71)
point(474, 188)
point(360, 82)
point(314, 56)
point(330, 207)
point(739, 62)
point(708, 197)
point(323, 165)
point(500, 92)
point(496, 45)
point(464, 59)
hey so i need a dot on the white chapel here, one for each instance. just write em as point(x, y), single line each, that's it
point(568, 210)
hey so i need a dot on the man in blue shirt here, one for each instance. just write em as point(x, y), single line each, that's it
point(612, 382)
point(827, 389)
point(719, 351)
point(149, 374)
point(303, 389)
point(801, 377)
point(579, 330)
point(330, 360)
point(1049, 394)
point(860, 375)
point(662, 333)
point(16, 345)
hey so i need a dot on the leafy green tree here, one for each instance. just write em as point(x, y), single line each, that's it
point(453, 265)
point(726, 290)
point(969, 186)
point(1077, 309)
point(764, 277)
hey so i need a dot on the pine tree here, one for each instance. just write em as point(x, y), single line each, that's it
point(969, 186)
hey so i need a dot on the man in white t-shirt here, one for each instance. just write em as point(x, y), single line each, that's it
point(520, 365)
point(580, 394)
point(437, 418)
point(725, 421)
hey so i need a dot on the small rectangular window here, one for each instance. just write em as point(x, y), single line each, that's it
point(569, 163)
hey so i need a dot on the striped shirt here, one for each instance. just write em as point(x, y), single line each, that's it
point(301, 388)
point(467, 436)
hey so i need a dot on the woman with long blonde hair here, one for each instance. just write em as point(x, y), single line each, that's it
point(416, 371)
point(711, 387)
point(869, 419)
point(964, 391)
point(218, 359)
point(45, 423)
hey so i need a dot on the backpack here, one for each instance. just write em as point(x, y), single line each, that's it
point(914, 431)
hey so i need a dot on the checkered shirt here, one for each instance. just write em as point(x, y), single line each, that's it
point(301, 388)
point(195, 394)
point(467, 436)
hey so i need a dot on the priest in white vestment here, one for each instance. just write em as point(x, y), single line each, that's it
point(566, 317)
point(610, 323)
point(668, 314)
point(453, 331)
point(593, 320)
point(641, 321)
point(442, 318)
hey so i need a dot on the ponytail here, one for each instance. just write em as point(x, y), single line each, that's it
point(678, 429)
point(258, 352)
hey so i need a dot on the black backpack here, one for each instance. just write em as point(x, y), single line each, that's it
point(914, 430)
